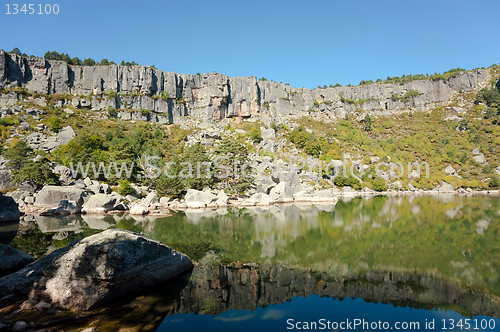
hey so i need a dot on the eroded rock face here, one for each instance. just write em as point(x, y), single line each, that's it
point(8, 209)
point(214, 96)
point(96, 270)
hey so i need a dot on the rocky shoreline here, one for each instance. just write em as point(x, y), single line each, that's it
point(162, 208)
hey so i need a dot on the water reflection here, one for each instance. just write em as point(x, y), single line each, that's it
point(430, 251)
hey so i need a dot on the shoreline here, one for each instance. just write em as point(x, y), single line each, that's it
point(164, 210)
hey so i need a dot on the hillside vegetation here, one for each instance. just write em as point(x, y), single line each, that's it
point(439, 137)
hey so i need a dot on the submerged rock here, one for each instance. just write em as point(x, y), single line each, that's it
point(12, 260)
point(96, 270)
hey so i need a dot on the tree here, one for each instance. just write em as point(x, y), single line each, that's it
point(171, 185)
point(52, 55)
point(15, 51)
point(89, 62)
point(368, 123)
point(37, 173)
point(104, 62)
point(18, 155)
point(197, 155)
point(235, 173)
point(75, 61)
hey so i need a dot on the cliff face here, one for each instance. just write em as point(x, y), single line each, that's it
point(214, 96)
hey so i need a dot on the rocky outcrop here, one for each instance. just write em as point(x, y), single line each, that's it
point(8, 209)
point(12, 259)
point(99, 269)
point(169, 96)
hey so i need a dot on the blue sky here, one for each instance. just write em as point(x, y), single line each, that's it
point(304, 43)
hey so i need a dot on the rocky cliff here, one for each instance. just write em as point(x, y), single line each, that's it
point(213, 96)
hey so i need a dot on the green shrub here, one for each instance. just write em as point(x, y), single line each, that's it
point(494, 182)
point(378, 184)
point(486, 169)
point(255, 134)
point(112, 112)
point(111, 93)
point(165, 95)
point(144, 112)
point(54, 124)
point(8, 121)
point(346, 181)
point(125, 188)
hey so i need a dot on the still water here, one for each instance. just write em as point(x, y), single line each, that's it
point(408, 262)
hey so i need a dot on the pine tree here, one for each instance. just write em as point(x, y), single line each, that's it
point(173, 185)
point(368, 123)
point(235, 178)
point(18, 155)
point(195, 155)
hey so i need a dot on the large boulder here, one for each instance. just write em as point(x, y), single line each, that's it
point(282, 193)
point(100, 203)
point(97, 270)
point(324, 196)
point(222, 199)
point(151, 198)
point(65, 135)
point(139, 209)
point(259, 199)
point(268, 134)
point(303, 196)
point(445, 187)
point(12, 259)
point(196, 199)
point(263, 184)
point(65, 175)
point(51, 196)
point(8, 209)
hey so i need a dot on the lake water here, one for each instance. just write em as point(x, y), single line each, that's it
point(390, 261)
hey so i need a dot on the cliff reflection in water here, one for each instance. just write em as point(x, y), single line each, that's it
point(213, 290)
point(429, 245)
